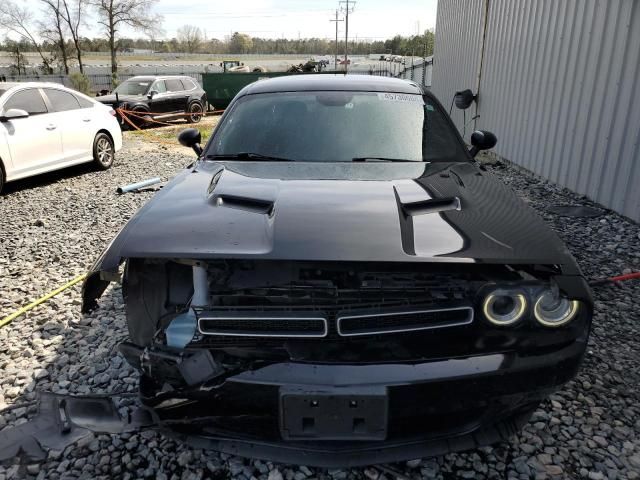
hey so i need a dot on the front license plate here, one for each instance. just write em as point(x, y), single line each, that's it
point(333, 414)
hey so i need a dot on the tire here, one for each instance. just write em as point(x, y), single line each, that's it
point(194, 112)
point(103, 151)
point(140, 122)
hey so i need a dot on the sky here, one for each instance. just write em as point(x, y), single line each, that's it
point(371, 19)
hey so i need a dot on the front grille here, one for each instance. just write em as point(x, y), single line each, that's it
point(375, 323)
point(374, 292)
point(261, 325)
point(339, 306)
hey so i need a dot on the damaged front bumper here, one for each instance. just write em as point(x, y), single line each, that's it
point(349, 415)
point(318, 414)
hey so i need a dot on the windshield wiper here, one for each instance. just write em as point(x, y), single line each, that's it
point(247, 156)
point(379, 159)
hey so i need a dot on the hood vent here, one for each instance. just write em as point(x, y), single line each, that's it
point(253, 205)
point(433, 205)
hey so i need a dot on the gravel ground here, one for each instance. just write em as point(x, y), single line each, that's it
point(52, 228)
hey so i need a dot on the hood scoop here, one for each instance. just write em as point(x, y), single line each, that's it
point(434, 205)
point(414, 200)
point(253, 205)
point(423, 234)
point(228, 189)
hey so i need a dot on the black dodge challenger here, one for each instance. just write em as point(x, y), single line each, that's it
point(334, 281)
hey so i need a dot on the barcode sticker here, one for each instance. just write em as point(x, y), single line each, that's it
point(401, 97)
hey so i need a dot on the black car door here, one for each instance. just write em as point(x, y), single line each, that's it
point(176, 95)
point(161, 101)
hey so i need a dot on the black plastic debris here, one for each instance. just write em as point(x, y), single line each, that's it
point(63, 420)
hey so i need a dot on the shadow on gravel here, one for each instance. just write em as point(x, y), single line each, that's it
point(589, 429)
point(47, 178)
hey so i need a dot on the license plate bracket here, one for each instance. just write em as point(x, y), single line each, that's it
point(333, 413)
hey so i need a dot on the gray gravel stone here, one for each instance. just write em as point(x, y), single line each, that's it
point(53, 227)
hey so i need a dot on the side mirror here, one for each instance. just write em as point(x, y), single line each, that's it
point(151, 94)
point(482, 140)
point(190, 137)
point(464, 99)
point(12, 114)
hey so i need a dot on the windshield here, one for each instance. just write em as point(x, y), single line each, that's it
point(133, 87)
point(338, 127)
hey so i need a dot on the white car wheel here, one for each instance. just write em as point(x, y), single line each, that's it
point(103, 151)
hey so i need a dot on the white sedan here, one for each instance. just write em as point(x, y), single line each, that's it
point(45, 126)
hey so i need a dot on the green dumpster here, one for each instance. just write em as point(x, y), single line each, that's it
point(222, 87)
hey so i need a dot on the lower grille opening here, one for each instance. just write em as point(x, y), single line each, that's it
point(374, 323)
point(262, 324)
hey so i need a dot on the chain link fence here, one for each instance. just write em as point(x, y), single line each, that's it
point(419, 70)
point(411, 68)
point(101, 81)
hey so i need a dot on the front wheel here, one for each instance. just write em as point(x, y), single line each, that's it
point(194, 114)
point(103, 151)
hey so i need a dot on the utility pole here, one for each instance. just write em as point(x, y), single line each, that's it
point(336, 50)
point(347, 10)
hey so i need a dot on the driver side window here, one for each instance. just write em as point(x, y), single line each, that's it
point(159, 86)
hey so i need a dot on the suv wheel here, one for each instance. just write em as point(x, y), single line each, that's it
point(103, 151)
point(194, 113)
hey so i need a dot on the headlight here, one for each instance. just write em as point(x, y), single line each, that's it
point(504, 307)
point(552, 310)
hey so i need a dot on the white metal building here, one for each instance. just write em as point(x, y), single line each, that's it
point(558, 82)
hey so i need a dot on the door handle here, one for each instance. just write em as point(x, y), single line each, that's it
point(51, 127)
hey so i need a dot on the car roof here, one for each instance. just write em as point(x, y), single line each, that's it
point(8, 85)
point(156, 77)
point(336, 82)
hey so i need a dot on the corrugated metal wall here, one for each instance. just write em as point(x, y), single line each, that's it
point(456, 55)
point(560, 87)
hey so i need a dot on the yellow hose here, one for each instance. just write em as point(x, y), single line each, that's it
point(43, 299)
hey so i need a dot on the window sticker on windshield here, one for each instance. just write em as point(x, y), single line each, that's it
point(401, 97)
point(430, 108)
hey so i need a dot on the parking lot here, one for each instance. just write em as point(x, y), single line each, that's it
point(53, 226)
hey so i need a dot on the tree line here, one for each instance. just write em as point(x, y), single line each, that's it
point(59, 38)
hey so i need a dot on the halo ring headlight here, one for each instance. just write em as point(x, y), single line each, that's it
point(503, 307)
point(553, 311)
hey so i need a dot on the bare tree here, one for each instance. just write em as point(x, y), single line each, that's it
point(113, 14)
point(71, 13)
point(73, 17)
point(16, 19)
point(190, 38)
point(53, 29)
point(18, 61)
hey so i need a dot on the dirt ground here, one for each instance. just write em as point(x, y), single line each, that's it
point(166, 136)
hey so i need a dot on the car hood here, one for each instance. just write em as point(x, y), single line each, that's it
point(111, 99)
point(385, 212)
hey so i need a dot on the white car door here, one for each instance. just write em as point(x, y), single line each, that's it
point(77, 124)
point(35, 142)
